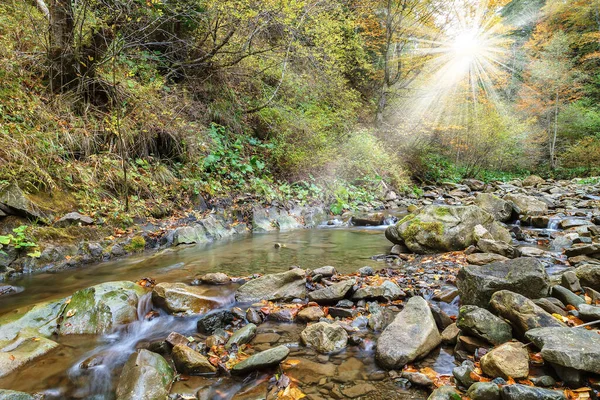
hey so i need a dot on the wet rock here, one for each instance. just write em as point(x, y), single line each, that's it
point(254, 316)
point(216, 278)
point(73, 218)
point(417, 379)
point(568, 347)
point(540, 221)
point(366, 271)
point(470, 344)
point(496, 247)
point(484, 391)
point(359, 390)
point(310, 314)
point(500, 209)
point(309, 372)
point(443, 393)
point(325, 337)
point(242, 336)
point(218, 338)
point(442, 228)
point(209, 323)
point(526, 276)
point(585, 250)
point(374, 219)
point(573, 222)
point(179, 298)
point(191, 362)
point(145, 376)
point(589, 313)
point(264, 359)
point(462, 374)
point(589, 275)
point(442, 320)
point(507, 360)
point(521, 312)
point(525, 392)
point(21, 350)
point(570, 281)
point(283, 315)
point(282, 286)
point(326, 271)
point(566, 296)
point(549, 307)
point(388, 290)
point(484, 258)
point(544, 381)
point(380, 317)
point(412, 335)
point(175, 338)
point(450, 334)
point(483, 324)
point(332, 293)
point(40, 319)
point(14, 395)
point(527, 205)
point(349, 371)
point(98, 309)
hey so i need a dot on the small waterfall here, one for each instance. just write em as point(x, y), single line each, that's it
point(96, 374)
point(553, 223)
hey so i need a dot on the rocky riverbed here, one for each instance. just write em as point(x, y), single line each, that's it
point(488, 292)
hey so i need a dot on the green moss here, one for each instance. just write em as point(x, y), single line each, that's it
point(417, 226)
point(442, 211)
point(406, 218)
point(137, 244)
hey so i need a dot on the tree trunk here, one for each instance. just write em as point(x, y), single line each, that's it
point(62, 70)
point(555, 134)
point(41, 5)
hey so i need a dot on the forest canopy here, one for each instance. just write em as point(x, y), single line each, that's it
point(141, 98)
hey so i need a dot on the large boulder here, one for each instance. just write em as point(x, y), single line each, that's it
point(527, 205)
point(179, 298)
point(526, 276)
point(510, 360)
point(498, 208)
point(481, 323)
point(98, 309)
point(145, 376)
point(439, 228)
point(282, 286)
point(568, 347)
point(325, 337)
point(521, 312)
point(412, 335)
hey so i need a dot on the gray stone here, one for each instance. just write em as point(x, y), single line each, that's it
point(388, 290)
point(73, 218)
point(190, 362)
point(570, 281)
point(282, 286)
point(145, 376)
point(544, 381)
point(366, 271)
point(527, 205)
point(589, 313)
point(484, 391)
point(566, 296)
point(496, 247)
point(210, 322)
point(549, 306)
point(326, 271)
point(215, 278)
point(14, 395)
point(412, 335)
point(179, 298)
point(21, 350)
point(310, 314)
point(573, 222)
point(444, 393)
point(417, 378)
point(589, 275)
point(533, 180)
point(325, 337)
point(462, 374)
point(242, 336)
point(484, 258)
point(521, 312)
point(525, 392)
point(14, 202)
point(509, 360)
point(568, 347)
point(443, 228)
point(264, 359)
point(40, 319)
point(500, 209)
point(332, 293)
point(483, 324)
point(450, 334)
point(526, 276)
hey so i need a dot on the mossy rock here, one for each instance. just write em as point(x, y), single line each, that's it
point(438, 228)
point(41, 318)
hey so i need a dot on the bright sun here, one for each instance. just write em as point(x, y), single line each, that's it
point(467, 44)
